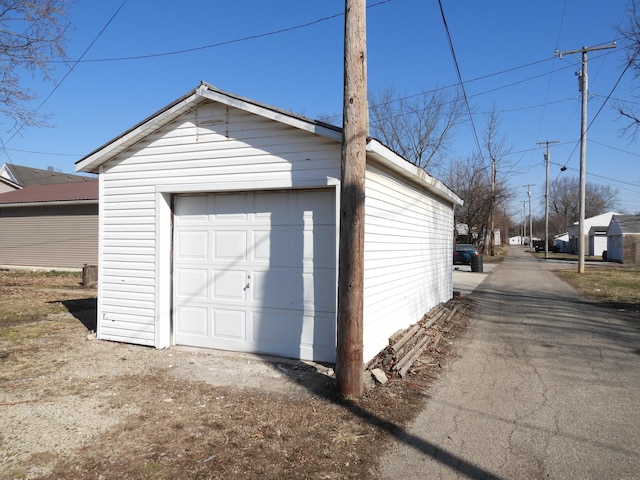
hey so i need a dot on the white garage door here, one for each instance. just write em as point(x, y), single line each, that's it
point(256, 272)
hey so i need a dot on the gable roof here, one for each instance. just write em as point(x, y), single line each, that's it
point(376, 151)
point(628, 223)
point(11, 184)
point(599, 220)
point(29, 176)
point(67, 193)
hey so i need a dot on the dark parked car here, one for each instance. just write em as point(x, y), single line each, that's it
point(463, 252)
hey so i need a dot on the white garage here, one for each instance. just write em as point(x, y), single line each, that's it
point(219, 221)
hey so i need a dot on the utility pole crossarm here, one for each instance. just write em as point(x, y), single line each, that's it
point(559, 54)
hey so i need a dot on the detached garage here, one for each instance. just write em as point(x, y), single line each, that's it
point(219, 228)
point(623, 239)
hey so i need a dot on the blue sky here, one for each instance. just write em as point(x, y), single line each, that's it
point(505, 52)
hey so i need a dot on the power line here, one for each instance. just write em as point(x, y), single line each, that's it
point(57, 85)
point(227, 42)
point(464, 92)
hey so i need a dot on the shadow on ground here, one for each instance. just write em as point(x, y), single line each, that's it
point(84, 309)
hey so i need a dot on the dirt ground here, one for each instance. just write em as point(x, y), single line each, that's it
point(75, 407)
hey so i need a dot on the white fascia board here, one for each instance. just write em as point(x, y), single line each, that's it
point(92, 162)
point(272, 114)
point(48, 204)
point(396, 163)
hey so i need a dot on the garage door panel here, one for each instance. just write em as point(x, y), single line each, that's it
point(286, 247)
point(229, 324)
point(231, 207)
point(192, 245)
point(319, 331)
point(271, 263)
point(320, 245)
point(230, 285)
point(276, 327)
point(277, 288)
point(192, 283)
point(192, 209)
point(230, 245)
point(193, 320)
point(261, 241)
point(319, 291)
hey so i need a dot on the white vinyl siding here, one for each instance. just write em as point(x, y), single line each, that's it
point(408, 243)
point(212, 148)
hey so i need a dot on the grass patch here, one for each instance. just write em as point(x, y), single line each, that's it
point(617, 286)
point(40, 278)
point(28, 297)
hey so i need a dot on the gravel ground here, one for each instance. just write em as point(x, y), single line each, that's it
point(75, 407)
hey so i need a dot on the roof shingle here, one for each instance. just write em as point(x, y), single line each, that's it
point(55, 192)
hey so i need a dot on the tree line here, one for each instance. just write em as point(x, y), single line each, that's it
point(419, 127)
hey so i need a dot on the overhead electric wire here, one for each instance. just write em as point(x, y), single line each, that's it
point(626, 68)
point(228, 42)
point(546, 97)
point(57, 85)
point(614, 148)
point(464, 92)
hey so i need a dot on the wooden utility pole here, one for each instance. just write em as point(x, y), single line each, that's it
point(547, 159)
point(583, 86)
point(529, 185)
point(492, 206)
point(349, 356)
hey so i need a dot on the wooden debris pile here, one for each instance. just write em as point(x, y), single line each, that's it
point(405, 347)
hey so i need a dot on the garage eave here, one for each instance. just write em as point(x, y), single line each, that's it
point(92, 162)
point(297, 121)
point(203, 93)
point(376, 151)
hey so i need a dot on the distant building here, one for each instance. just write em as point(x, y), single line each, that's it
point(600, 221)
point(15, 177)
point(50, 226)
point(623, 239)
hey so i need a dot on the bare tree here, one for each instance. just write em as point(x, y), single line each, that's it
point(497, 149)
point(32, 34)
point(564, 201)
point(471, 180)
point(417, 127)
point(632, 34)
point(480, 185)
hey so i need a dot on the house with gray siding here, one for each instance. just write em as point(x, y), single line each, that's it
point(52, 226)
point(219, 228)
point(623, 239)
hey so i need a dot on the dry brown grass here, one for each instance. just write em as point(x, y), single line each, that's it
point(617, 286)
point(174, 427)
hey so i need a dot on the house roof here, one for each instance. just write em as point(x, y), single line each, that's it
point(376, 151)
point(9, 183)
point(598, 220)
point(77, 192)
point(29, 176)
point(628, 223)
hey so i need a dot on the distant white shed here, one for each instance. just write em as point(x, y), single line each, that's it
point(219, 222)
point(601, 221)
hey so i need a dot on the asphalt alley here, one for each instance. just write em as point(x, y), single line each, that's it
point(547, 385)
